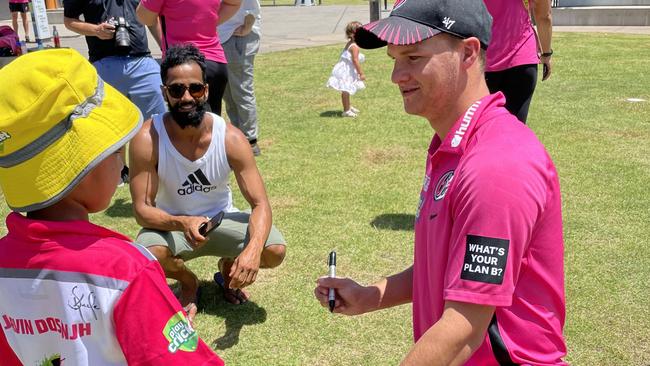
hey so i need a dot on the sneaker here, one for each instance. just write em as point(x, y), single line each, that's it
point(349, 113)
point(354, 110)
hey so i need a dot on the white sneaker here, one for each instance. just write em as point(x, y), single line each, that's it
point(349, 113)
point(354, 110)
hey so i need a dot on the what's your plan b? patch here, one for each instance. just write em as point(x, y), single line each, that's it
point(485, 259)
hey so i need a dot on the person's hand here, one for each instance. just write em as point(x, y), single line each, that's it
point(105, 31)
point(244, 269)
point(241, 31)
point(191, 230)
point(351, 298)
point(362, 76)
point(191, 310)
point(546, 64)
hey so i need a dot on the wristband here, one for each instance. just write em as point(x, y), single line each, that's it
point(548, 54)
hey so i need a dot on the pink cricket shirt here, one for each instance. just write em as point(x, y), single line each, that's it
point(489, 231)
point(190, 21)
point(87, 294)
point(513, 42)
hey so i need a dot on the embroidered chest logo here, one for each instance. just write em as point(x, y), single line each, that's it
point(448, 22)
point(467, 119)
point(180, 335)
point(443, 185)
point(3, 136)
point(196, 182)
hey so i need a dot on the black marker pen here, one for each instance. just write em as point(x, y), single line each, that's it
point(331, 295)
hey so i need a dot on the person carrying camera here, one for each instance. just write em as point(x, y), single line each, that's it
point(118, 48)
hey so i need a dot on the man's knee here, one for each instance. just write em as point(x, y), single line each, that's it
point(273, 255)
point(169, 263)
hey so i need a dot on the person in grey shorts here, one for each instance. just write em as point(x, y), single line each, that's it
point(180, 172)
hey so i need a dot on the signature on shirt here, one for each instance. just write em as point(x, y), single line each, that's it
point(83, 302)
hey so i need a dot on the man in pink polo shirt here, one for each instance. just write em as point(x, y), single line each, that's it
point(487, 282)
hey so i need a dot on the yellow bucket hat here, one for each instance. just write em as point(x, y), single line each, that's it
point(58, 120)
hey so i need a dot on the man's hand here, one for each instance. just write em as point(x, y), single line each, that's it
point(191, 230)
point(244, 269)
point(242, 31)
point(546, 64)
point(105, 31)
point(351, 298)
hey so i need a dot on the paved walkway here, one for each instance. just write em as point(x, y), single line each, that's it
point(288, 27)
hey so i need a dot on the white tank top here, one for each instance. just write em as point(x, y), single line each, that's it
point(197, 188)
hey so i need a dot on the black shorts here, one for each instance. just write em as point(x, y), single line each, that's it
point(19, 7)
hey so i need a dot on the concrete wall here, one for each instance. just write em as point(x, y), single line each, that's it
point(611, 16)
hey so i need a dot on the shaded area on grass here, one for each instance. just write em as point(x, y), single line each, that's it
point(393, 221)
point(120, 208)
point(235, 316)
point(331, 114)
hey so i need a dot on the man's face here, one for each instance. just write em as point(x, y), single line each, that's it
point(426, 74)
point(186, 94)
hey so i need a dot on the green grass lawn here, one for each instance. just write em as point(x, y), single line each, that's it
point(353, 184)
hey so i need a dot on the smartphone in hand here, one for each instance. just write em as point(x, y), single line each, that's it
point(206, 228)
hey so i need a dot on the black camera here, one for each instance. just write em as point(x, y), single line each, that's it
point(122, 37)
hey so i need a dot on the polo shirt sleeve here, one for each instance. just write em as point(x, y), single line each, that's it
point(155, 6)
point(73, 8)
point(151, 326)
point(495, 205)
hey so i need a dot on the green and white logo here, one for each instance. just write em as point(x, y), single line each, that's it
point(180, 334)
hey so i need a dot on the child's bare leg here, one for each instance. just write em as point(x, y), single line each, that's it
point(14, 21)
point(345, 98)
point(25, 24)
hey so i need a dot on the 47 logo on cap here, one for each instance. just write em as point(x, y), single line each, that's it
point(448, 22)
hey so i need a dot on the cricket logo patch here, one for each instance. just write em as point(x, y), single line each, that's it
point(485, 259)
point(180, 335)
point(443, 185)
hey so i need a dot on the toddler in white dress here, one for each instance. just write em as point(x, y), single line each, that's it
point(347, 75)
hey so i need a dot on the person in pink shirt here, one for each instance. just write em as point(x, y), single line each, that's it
point(19, 7)
point(515, 50)
point(195, 22)
point(487, 281)
point(74, 292)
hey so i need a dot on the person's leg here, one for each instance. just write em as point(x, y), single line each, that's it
point(517, 84)
point(229, 240)
point(233, 67)
point(23, 15)
point(166, 246)
point(142, 79)
point(14, 21)
point(345, 99)
point(217, 76)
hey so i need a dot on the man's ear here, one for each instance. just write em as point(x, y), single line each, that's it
point(471, 52)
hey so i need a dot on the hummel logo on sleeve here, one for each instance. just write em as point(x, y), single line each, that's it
point(485, 259)
point(196, 182)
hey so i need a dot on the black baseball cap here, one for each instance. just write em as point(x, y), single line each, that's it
point(413, 21)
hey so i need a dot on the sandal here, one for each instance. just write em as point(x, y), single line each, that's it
point(229, 293)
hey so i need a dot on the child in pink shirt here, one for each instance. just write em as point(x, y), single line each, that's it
point(22, 7)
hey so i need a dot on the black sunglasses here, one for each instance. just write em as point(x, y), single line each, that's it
point(177, 91)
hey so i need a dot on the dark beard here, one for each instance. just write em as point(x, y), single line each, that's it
point(188, 119)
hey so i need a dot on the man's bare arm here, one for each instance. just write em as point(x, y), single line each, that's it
point(454, 338)
point(228, 9)
point(242, 162)
point(101, 31)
